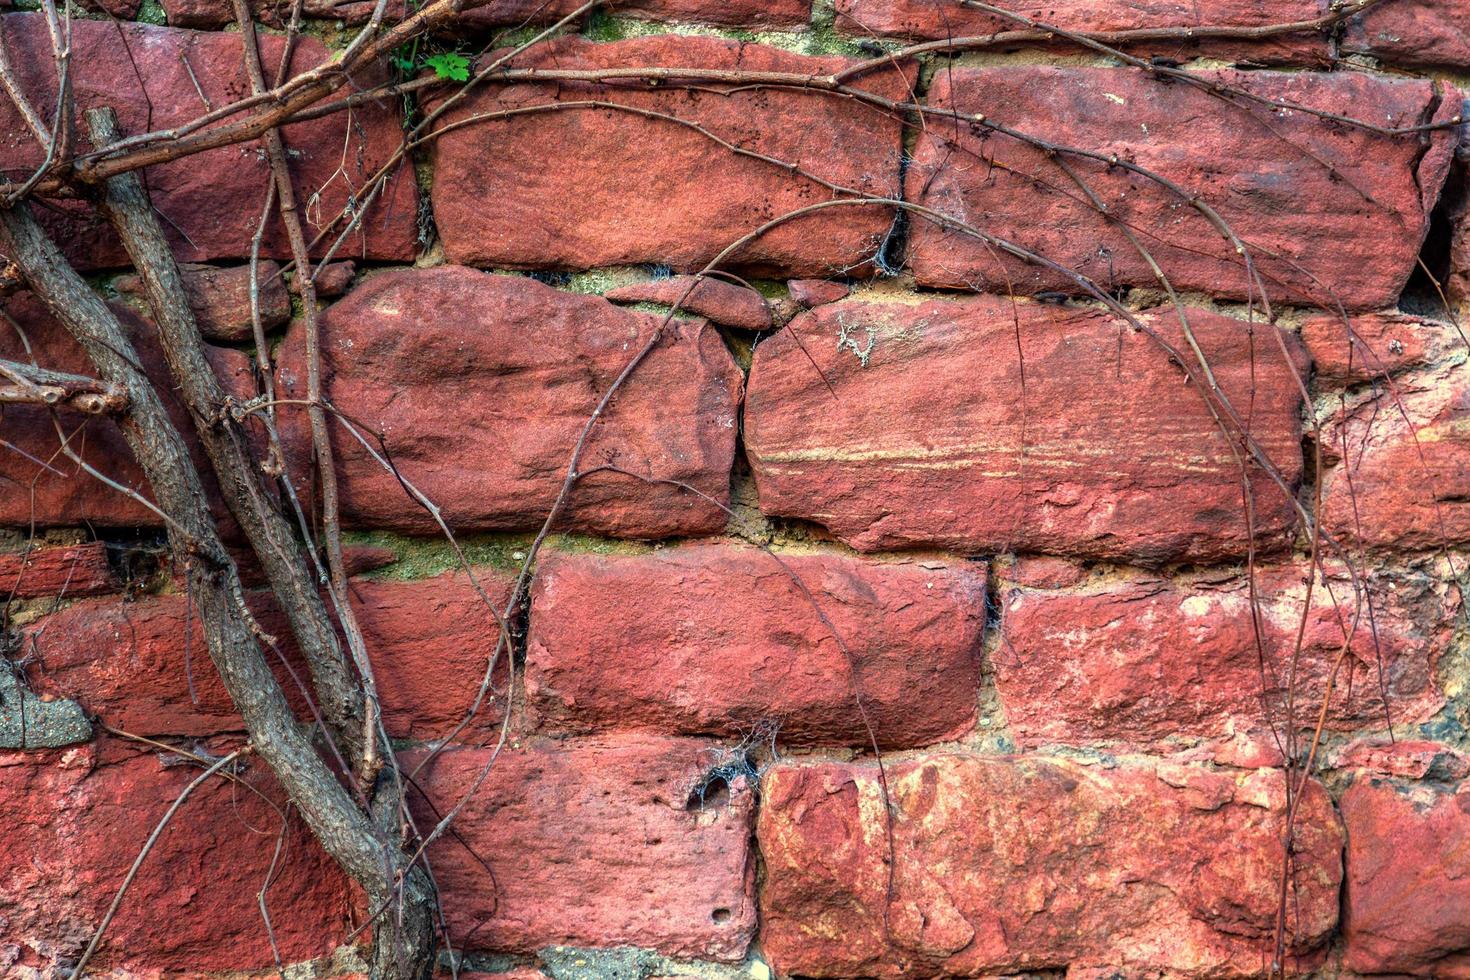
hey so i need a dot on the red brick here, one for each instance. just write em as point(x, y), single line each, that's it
point(219, 13)
point(75, 821)
point(429, 641)
point(1316, 235)
point(220, 298)
point(594, 843)
point(1374, 345)
point(816, 292)
point(210, 202)
point(718, 639)
point(922, 444)
point(720, 302)
point(927, 19)
point(481, 385)
point(1400, 465)
point(1433, 33)
point(1408, 877)
point(1411, 759)
point(498, 13)
point(333, 279)
point(1153, 662)
point(1003, 865)
point(47, 488)
point(591, 187)
point(729, 13)
point(56, 571)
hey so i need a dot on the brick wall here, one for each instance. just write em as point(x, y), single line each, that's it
point(915, 622)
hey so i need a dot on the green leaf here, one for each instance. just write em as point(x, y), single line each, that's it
point(451, 65)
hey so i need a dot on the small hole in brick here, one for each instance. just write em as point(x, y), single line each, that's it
point(712, 793)
point(720, 916)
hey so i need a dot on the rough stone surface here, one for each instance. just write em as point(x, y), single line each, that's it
point(1408, 877)
point(57, 570)
point(1374, 345)
point(722, 641)
point(1406, 758)
point(728, 13)
point(596, 186)
point(1400, 464)
point(720, 302)
point(1003, 865)
point(1433, 33)
point(1344, 221)
point(220, 298)
point(595, 843)
point(481, 384)
point(926, 19)
point(933, 437)
point(31, 722)
point(210, 202)
point(43, 486)
point(1147, 662)
point(816, 292)
point(76, 819)
point(134, 663)
point(334, 279)
point(220, 13)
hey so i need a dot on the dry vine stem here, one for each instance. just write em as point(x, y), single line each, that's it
point(363, 822)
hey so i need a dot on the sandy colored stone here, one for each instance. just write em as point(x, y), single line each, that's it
point(1408, 877)
point(594, 842)
point(718, 639)
point(1010, 864)
point(480, 386)
point(143, 666)
point(210, 202)
point(928, 435)
point(75, 819)
point(1150, 662)
point(595, 186)
point(1332, 213)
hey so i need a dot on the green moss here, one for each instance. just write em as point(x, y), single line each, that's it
point(585, 544)
point(151, 12)
point(601, 26)
point(427, 557)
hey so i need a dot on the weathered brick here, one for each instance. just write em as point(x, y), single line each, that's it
point(1433, 33)
point(480, 386)
point(943, 20)
point(720, 640)
point(996, 865)
point(817, 292)
point(37, 483)
point(220, 298)
point(594, 843)
point(1399, 473)
point(131, 662)
point(1331, 212)
point(211, 201)
point(56, 571)
point(499, 13)
point(1407, 905)
point(720, 302)
point(1374, 345)
point(1405, 758)
point(1148, 662)
point(75, 820)
point(730, 13)
point(596, 186)
point(937, 436)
